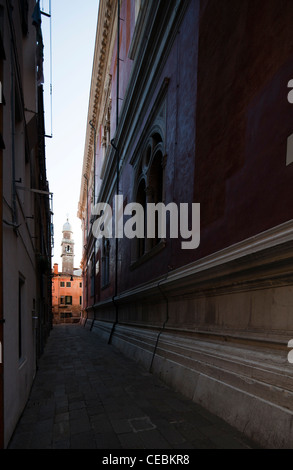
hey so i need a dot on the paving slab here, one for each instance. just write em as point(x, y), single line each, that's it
point(87, 395)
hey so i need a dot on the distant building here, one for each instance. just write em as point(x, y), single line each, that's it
point(188, 104)
point(26, 211)
point(67, 284)
point(66, 297)
point(67, 253)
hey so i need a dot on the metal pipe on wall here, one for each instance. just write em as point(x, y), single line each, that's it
point(117, 169)
point(12, 104)
point(85, 287)
point(94, 199)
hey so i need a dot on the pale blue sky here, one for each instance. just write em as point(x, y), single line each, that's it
point(73, 38)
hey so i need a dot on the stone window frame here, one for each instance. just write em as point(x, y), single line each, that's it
point(156, 124)
point(152, 150)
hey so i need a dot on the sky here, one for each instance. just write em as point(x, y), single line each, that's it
point(73, 25)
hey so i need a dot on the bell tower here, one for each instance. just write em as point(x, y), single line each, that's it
point(67, 246)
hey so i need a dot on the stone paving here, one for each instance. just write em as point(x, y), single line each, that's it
point(87, 395)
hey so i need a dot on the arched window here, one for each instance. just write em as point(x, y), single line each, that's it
point(156, 183)
point(150, 187)
point(141, 199)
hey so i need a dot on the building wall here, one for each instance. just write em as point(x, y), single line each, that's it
point(26, 215)
point(246, 117)
point(214, 322)
point(62, 312)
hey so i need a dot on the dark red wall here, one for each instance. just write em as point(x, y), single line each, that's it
point(180, 68)
point(228, 119)
point(243, 119)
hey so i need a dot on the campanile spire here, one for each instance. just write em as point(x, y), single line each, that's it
point(67, 246)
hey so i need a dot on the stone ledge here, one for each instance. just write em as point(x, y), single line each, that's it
point(249, 387)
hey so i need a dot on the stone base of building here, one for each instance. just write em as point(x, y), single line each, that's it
point(217, 331)
point(249, 386)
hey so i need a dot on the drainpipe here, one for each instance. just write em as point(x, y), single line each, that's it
point(58, 298)
point(118, 66)
point(117, 247)
point(12, 104)
point(94, 199)
point(87, 237)
point(117, 168)
point(165, 322)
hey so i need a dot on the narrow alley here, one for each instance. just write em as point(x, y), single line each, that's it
point(86, 395)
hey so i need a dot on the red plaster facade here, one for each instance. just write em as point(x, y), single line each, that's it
point(243, 122)
point(66, 297)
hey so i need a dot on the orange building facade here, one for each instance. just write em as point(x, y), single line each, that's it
point(66, 297)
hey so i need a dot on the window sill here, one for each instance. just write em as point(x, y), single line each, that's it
point(150, 254)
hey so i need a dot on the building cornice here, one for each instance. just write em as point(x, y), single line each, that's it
point(261, 251)
point(106, 19)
